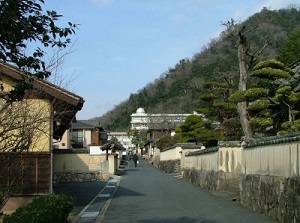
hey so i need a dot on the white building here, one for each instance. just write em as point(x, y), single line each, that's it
point(139, 120)
point(123, 138)
point(143, 121)
point(156, 126)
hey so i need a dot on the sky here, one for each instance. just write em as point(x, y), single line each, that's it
point(120, 46)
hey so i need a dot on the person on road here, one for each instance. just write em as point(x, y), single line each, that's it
point(135, 159)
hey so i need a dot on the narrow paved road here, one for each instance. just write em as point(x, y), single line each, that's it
point(146, 195)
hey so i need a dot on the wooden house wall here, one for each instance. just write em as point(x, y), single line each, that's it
point(35, 174)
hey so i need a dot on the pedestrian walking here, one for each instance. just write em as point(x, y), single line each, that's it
point(135, 159)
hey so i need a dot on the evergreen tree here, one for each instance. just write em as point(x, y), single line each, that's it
point(220, 110)
point(198, 129)
point(273, 103)
point(290, 51)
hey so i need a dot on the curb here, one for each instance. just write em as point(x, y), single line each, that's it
point(100, 217)
point(97, 216)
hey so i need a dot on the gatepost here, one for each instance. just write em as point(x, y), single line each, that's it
point(112, 160)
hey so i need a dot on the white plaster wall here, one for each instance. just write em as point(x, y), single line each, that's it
point(77, 162)
point(64, 143)
point(276, 160)
point(96, 150)
point(171, 154)
point(87, 134)
point(281, 159)
point(206, 161)
point(230, 159)
point(156, 156)
point(184, 164)
point(226, 159)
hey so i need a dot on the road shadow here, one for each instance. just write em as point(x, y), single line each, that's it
point(131, 170)
point(123, 171)
point(122, 191)
point(178, 220)
point(82, 192)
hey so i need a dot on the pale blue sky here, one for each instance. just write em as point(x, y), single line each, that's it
point(122, 45)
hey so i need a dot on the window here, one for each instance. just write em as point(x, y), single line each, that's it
point(77, 139)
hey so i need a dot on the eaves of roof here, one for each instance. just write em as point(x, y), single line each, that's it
point(42, 85)
point(295, 66)
point(113, 144)
point(292, 137)
point(81, 125)
point(65, 103)
point(204, 151)
point(183, 146)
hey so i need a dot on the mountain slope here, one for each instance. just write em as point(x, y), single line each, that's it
point(178, 89)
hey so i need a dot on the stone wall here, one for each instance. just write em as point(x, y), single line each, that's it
point(170, 166)
point(276, 197)
point(212, 180)
point(263, 174)
point(77, 165)
point(77, 176)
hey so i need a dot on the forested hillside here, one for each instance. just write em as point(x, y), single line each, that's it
point(178, 89)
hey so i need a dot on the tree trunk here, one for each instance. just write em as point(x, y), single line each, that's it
point(242, 106)
point(244, 117)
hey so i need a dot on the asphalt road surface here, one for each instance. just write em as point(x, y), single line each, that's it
point(82, 192)
point(146, 195)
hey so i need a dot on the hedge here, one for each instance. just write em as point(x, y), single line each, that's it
point(52, 208)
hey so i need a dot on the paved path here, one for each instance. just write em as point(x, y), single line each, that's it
point(146, 195)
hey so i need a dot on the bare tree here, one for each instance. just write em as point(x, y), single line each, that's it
point(246, 60)
point(26, 125)
point(55, 64)
point(26, 130)
point(25, 112)
point(23, 125)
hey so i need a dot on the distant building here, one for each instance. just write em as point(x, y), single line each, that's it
point(143, 121)
point(81, 134)
point(123, 137)
point(139, 120)
point(156, 126)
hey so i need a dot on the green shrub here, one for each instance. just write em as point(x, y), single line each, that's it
point(46, 209)
point(259, 105)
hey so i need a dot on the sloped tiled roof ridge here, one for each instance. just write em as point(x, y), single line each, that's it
point(292, 137)
point(16, 73)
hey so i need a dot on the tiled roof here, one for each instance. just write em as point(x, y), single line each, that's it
point(76, 151)
point(65, 103)
point(183, 146)
point(113, 144)
point(82, 125)
point(295, 80)
point(229, 143)
point(292, 137)
point(203, 151)
point(42, 85)
point(296, 66)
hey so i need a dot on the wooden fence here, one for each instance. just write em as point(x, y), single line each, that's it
point(26, 173)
